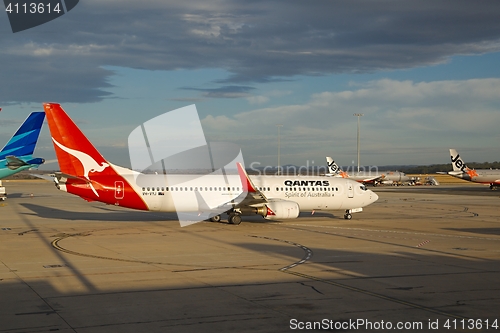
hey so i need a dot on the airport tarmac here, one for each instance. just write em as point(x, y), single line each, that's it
point(418, 257)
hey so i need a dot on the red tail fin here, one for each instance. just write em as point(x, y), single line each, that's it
point(76, 155)
point(87, 173)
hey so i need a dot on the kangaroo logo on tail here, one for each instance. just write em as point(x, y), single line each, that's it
point(88, 163)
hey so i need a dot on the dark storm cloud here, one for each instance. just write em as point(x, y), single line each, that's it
point(257, 41)
point(224, 92)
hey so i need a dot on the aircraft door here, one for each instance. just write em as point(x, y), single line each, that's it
point(119, 190)
point(350, 191)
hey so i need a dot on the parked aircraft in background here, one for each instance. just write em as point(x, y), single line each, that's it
point(85, 172)
point(375, 178)
point(17, 154)
point(483, 176)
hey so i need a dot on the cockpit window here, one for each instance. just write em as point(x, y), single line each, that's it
point(363, 187)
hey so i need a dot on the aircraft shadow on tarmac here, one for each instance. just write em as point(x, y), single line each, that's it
point(126, 215)
point(482, 231)
point(109, 215)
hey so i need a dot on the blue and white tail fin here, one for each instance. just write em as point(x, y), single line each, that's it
point(23, 142)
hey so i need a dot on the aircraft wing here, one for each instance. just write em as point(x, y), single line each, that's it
point(372, 179)
point(252, 196)
point(451, 173)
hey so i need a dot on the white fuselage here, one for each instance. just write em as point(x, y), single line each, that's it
point(214, 192)
point(183, 192)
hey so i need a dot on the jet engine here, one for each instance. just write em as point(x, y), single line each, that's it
point(278, 210)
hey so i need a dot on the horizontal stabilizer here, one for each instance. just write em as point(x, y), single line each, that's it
point(63, 177)
point(49, 177)
point(14, 163)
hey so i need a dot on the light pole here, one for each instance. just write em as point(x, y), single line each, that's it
point(279, 147)
point(358, 115)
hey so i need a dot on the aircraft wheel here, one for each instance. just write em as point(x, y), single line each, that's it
point(347, 216)
point(234, 219)
point(215, 218)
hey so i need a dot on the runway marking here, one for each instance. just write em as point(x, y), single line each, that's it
point(423, 243)
point(370, 293)
point(55, 244)
point(364, 238)
point(390, 231)
point(308, 255)
point(308, 252)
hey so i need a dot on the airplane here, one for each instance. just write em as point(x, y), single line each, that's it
point(483, 176)
point(17, 154)
point(86, 173)
point(389, 177)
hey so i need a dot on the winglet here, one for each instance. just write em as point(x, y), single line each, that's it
point(246, 183)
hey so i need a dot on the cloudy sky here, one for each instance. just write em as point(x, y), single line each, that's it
point(425, 74)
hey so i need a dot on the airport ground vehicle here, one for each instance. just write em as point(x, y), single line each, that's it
point(3, 193)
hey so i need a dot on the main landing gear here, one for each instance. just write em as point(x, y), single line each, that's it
point(215, 218)
point(232, 218)
point(347, 215)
